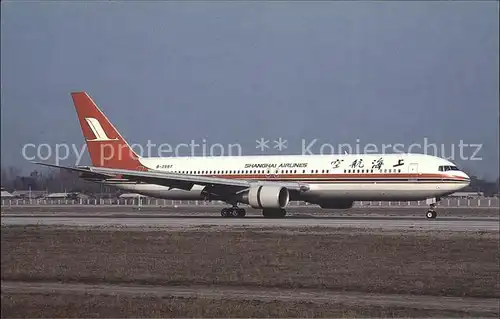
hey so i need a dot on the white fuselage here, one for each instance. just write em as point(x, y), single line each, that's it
point(352, 177)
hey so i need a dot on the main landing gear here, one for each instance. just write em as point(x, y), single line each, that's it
point(233, 212)
point(274, 213)
point(431, 213)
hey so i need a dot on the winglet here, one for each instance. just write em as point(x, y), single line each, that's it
point(107, 148)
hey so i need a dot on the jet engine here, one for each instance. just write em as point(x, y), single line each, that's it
point(266, 196)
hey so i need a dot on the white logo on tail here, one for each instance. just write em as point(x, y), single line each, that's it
point(98, 131)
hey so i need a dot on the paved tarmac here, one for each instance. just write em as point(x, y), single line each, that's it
point(393, 218)
point(312, 211)
point(387, 223)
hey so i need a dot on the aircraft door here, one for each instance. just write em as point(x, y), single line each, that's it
point(413, 168)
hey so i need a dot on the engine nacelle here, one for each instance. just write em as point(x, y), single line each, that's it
point(266, 196)
point(336, 204)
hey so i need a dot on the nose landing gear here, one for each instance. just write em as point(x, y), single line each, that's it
point(431, 213)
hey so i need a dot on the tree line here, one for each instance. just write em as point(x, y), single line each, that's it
point(50, 180)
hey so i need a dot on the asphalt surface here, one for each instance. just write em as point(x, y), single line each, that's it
point(383, 218)
point(186, 217)
point(410, 211)
point(489, 305)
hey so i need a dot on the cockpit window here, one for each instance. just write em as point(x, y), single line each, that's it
point(448, 168)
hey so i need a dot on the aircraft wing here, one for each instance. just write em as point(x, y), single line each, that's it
point(184, 181)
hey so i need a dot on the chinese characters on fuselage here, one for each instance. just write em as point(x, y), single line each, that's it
point(378, 163)
point(358, 163)
point(336, 163)
point(400, 163)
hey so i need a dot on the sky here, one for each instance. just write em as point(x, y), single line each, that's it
point(315, 74)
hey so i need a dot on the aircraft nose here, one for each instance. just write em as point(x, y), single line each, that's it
point(466, 177)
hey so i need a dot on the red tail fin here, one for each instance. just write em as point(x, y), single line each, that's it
point(106, 146)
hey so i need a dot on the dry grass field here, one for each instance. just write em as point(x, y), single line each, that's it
point(437, 264)
point(117, 306)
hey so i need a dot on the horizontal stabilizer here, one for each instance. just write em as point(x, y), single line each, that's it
point(75, 169)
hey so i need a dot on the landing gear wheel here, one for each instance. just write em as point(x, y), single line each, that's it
point(224, 212)
point(241, 212)
point(274, 213)
point(232, 212)
point(431, 214)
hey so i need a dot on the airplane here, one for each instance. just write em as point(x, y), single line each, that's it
point(268, 183)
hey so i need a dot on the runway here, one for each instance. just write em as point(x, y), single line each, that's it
point(387, 223)
point(390, 218)
point(393, 259)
